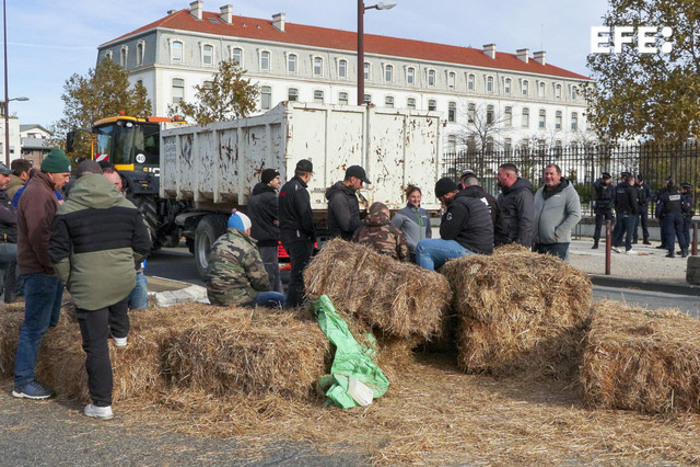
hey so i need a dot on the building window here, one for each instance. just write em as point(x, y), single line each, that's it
point(343, 69)
point(318, 97)
point(471, 113)
point(140, 53)
point(265, 60)
point(237, 56)
point(123, 55)
point(208, 55)
point(489, 143)
point(207, 84)
point(108, 55)
point(451, 80)
point(526, 85)
point(318, 66)
point(507, 86)
point(452, 112)
point(526, 117)
point(265, 97)
point(176, 51)
point(540, 90)
point(410, 75)
point(489, 84)
point(557, 120)
point(367, 70)
point(368, 98)
point(411, 103)
point(574, 93)
point(389, 73)
point(507, 145)
point(574, 121)
point(343, 98)
point(389, 101)
point(452, 144)
point(178, 90)
point(508, 117)
point(471, 143)
point(543, 119)
point(471, 82)
point(557, 91)
point(292, 63)
point(293, 95)
point(431, 77)
point(432, 105)
point(490, 119)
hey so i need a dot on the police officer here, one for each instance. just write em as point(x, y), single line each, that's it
point(687, 208)
point(626, 208)
point(644, 197)
point(669, 209)
point(602, 204)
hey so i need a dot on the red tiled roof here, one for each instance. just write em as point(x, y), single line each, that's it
point(261, 29)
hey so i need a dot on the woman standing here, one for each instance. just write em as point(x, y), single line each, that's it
point(413, 220)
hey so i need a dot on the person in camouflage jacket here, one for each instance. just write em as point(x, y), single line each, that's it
point(379, 234)
point(236, 275)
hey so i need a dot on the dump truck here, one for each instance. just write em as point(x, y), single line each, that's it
point(213, 168)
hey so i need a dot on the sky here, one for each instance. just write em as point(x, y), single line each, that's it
point(50, 40)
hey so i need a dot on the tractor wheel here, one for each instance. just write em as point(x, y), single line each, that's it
point(146, 204)
point(209, 229)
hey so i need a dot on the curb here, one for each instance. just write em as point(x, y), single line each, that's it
point(651, 286)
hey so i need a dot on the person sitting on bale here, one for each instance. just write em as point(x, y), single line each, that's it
point(378, 233)
point(236, 274)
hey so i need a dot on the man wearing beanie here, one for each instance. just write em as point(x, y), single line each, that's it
point(236, 275)
point(263, 211)
point(466, 228)
point(42, 288)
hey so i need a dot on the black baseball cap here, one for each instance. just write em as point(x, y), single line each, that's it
point(357, 172)
point(4, 170)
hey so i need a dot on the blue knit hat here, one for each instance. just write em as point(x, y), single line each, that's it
point(239, 221)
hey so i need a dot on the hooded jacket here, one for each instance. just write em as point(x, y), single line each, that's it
point(557, 212)
point(296, 217)
point(414, 222)
point(263, 211)
point(517, 205)
point(343, 211)
point(468, 222)
point(96, 237)
point(381, 235)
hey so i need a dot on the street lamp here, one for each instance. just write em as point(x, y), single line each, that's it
point(6, 104)
point(361, 8)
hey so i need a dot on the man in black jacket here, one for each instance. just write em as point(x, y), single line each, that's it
point(643, 197)
point(626, 208)
point(669, 211)
point(264, 215)
point(471, 186)
point(8, 237)
point(466, 228)
point(603, 196)
point(343, 207)
point(297, 230)
point(517, 205)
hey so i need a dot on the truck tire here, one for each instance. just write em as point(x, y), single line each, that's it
point(209, 229)
point(146, 204)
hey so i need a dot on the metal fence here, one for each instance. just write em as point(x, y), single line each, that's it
point(582, 165)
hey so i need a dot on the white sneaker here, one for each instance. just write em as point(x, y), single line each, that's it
point(615, 249)
point(119, 342)
point(102, 413)
point(631, 252)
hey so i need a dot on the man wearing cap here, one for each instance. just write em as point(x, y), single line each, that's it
point(297, 229)
point(643, 197)
point(264, 214)
point(8, 237)
point(236, 275)
point(343, 207)
point(42, 288)
point(626, 208)
point(603, 195)
point(465, 229)
point(517, 204)
point(96, 237)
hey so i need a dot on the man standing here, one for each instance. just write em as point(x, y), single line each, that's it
point(42, 289)
point(343, 207)
point(557, 211)
point(263, 212)
point(8, 237)
point(465, 229)
point(603, 195)
point(96, 237)
point(297, 230)
point(20, 175)
point(643, 197)
point(669, 210)
point(626, 208)
point(517, 204)
point(471, 186)
point(687, 209)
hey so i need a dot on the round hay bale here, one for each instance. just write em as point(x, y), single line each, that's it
point(637, 359)
point(401, 299)
point(519, 311)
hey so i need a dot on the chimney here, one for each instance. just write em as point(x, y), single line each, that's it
point(278, 21)
point(196, 9)
point(227, 14)
point(540, 57)
point(490, 50)
point(170, 12)
point(523, 55)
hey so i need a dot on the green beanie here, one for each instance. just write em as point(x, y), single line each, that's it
point(55, 162)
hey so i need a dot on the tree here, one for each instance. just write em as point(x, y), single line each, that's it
point(479, 127)
point(229, 96)
point(103, 92)
point(652, 96)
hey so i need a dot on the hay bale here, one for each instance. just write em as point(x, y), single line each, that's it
point(252, 353)
point(519, 311)
point(637, 359)
point(400, 299)
point(10, 322)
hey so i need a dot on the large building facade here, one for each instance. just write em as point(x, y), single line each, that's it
point(489, 99)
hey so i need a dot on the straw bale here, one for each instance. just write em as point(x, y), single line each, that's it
point(637, 359)
point(10, 322)
point(271, 352)
point(519, 311)
point(401, 299)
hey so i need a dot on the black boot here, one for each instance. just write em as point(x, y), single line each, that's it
point(595, 246)
point(670, 255)
point(684, 253)
point(646, 241)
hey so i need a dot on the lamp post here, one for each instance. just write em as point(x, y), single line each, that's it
point(361, 8)
point(6, 105)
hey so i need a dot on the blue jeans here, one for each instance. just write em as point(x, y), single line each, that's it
point(42, 305)
point(433, 253)
point(269, 300)
point(560, 250)
point(138, 298)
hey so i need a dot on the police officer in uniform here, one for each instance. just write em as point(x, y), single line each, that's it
point(669, 209)
point(687, 208)
point(644, 195)
point(602, 205)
